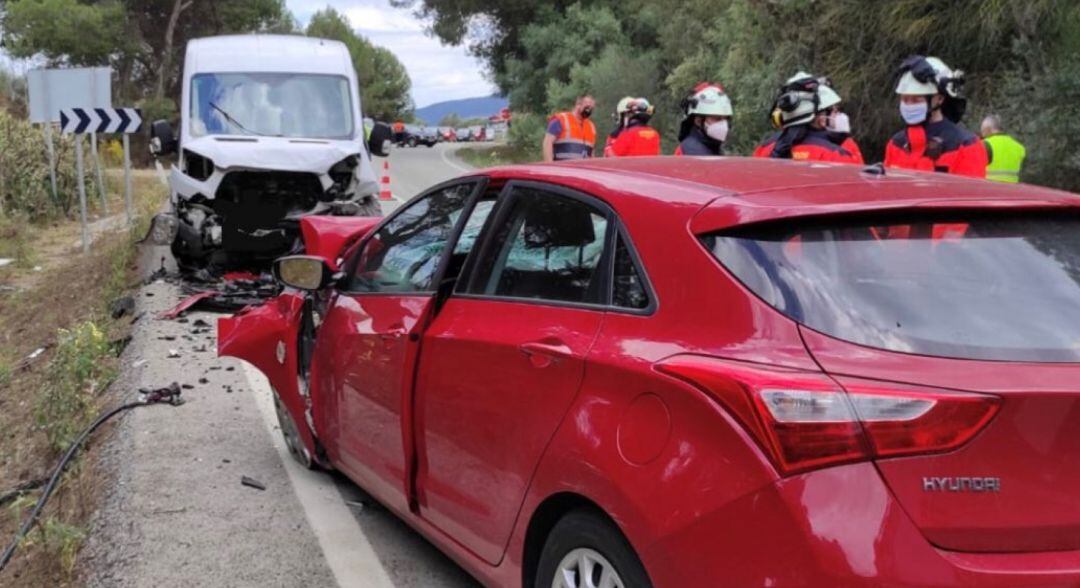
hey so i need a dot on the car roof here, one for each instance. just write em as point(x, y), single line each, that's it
point(742, 190)
point(267, 53)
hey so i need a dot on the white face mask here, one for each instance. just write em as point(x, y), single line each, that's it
point(717, 131)
point(913, 114)
point(839, 123)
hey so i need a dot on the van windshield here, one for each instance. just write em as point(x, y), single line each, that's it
point(975, 286)
point(271, 104)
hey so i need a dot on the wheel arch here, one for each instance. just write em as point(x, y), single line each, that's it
point(543, 520)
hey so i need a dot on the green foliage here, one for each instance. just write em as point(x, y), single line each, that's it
point(67, 31)
point(450, 120)
point(25, 189)
point(526, 135)
point(384, 83)
point(1019, 57)
point(78, 372)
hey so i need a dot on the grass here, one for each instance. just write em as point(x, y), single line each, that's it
point(63, 307)
point(493, 155)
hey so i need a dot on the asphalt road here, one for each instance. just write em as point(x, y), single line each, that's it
point(175, 512)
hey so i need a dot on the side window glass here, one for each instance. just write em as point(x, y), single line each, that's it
point(404, 254)
point(628, 289)
point(550, 248)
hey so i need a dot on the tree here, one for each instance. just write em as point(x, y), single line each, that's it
point(450, 120)
point(384, 83)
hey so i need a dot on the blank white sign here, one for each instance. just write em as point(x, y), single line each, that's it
point(80, 87)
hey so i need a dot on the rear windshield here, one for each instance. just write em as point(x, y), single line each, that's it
point(977, 287)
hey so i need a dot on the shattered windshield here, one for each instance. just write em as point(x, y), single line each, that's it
point(272, 105)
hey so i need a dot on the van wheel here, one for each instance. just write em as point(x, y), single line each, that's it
point(585, 550)
point(292, 435)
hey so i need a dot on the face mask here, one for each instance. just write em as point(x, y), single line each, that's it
point(586, 112)
point(717, 131)
point(913, 114)
point(839, 123)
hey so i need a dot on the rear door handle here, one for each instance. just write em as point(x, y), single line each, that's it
point(542, 354)
point(393, 333)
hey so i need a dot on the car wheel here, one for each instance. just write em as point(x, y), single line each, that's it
point(292, 435)
point(585, 550)
point(412, 141)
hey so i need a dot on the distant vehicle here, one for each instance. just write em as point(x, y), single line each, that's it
point(270, 132)
point(871, 381)
point(464, 134)
point(448, 134)
point(476, 133)
point(416, 135)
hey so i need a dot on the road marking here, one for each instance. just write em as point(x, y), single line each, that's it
point(346, 548)
point(456, 166)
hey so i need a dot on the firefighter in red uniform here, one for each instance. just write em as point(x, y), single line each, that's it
point(637, 137)
point(803, 111)
point(932, 106)
point(620, 124)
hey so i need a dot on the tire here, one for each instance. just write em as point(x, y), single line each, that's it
point(584, 538)
point(412, 141)
point(291, 435)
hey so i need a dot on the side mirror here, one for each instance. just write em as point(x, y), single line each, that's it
point(304, 272)
point(379, 139)
point(162, 138)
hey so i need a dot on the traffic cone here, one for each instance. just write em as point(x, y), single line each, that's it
point(384, 192)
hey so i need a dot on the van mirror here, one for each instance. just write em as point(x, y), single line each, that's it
point(303, 272)
point(379, 139)
point(162, 138)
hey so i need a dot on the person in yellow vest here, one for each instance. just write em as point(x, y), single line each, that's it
point(571, 135)
point(1006, 154)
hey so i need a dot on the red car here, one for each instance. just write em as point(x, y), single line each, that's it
point(698, 372)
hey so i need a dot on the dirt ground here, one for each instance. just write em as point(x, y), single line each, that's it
point(62, 288)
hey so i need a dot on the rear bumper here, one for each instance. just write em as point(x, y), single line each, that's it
point(835, 527)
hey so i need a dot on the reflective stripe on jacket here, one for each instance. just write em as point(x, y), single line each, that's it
point(1006, 156)
point(942, 146)
point(576, 139)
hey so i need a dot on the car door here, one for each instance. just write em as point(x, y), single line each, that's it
point(504, 358)
point(368, 341)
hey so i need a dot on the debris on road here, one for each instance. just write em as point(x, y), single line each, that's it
point(252, 483)
point(173, 354)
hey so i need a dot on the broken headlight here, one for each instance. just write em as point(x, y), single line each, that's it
point(163, 229)
point(197, 166)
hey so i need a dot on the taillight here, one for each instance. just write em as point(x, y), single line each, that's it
point(806, 420)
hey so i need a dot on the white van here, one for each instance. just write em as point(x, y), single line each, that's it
point(270, 131)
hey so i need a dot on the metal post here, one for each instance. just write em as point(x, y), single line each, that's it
point(127, 180)
point(52, 160)
point(82, 194)
point(100, 179)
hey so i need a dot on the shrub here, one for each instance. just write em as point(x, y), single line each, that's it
point(78, 371)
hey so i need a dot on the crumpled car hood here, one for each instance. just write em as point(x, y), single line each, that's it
point(272, 153)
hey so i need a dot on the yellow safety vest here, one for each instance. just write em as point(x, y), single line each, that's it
point(1006, 158)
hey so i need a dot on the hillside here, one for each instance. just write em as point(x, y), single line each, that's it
point(465, 108)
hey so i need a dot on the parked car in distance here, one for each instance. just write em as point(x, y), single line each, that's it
point(419, 135)
point(698, 372)
point(448, 134)
point(463, 134)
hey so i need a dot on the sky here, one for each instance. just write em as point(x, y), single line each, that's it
point(438, 72)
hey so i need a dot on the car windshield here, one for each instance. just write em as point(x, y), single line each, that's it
point(271, 104)
point(988, 287)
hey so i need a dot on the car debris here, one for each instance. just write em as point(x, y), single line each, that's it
point(173, 354)
point(252, 483)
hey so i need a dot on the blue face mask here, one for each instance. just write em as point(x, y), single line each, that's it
point(914, 114)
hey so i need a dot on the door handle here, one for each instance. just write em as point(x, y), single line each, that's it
point(542, 354)
point(395, 332)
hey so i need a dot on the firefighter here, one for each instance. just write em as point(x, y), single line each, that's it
point(803, 110)
point(708, 120)
point(571, 135)
point(637, 137)
point(620, 122)
point(931, 105)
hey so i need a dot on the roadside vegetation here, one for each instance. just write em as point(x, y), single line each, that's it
point(522, 144)
point(59, 348)
point(1020, 59)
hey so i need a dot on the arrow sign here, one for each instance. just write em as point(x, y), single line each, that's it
point(100, 120)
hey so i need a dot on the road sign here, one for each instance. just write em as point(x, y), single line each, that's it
point(52, 90)
point(100, 120)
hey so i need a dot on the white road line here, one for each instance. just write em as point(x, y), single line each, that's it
point(346, 548)
point(452, 164)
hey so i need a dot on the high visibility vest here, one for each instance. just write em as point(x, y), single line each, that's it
point(576, 139)
point(1006, 158)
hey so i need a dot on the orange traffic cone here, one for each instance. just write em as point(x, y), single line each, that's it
point(384, 192)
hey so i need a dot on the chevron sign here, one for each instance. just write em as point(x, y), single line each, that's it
point(100, 120)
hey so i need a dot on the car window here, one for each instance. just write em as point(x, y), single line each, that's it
point(628, 288)
point(404, 254)
point(549, 247)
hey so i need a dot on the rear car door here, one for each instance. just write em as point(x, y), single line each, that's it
point(368, 343)
point(504, 358)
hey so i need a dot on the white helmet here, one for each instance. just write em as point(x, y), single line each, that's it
point(623, 105)
point(926, 76)
point(799, 100)
point(708, 99)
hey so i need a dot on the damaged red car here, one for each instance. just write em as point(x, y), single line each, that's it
point(698, 372)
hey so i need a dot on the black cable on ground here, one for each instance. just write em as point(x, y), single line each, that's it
point(170, 395)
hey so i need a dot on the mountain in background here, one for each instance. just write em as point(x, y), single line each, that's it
point(465, 108)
